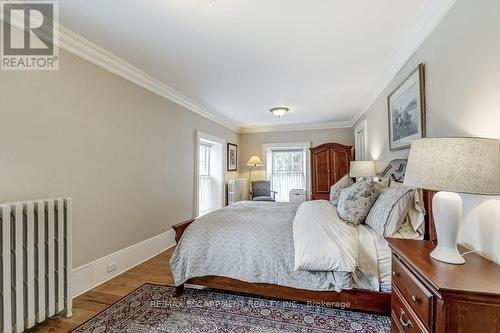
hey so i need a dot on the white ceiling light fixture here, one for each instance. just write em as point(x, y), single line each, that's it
point(279, 111)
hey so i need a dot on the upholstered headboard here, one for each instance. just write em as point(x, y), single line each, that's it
point(395, 170)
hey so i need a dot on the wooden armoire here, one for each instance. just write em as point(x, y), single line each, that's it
point(329, 163)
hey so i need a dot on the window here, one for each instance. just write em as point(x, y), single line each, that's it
point(205, 158)
point(287, 171)
point(288, 161)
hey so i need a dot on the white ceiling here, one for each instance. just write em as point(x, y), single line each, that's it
point(236, 59)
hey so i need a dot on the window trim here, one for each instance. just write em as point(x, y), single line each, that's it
point(199, 136)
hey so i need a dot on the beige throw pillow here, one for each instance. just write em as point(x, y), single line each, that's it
point(356, 201)
point(343, 183)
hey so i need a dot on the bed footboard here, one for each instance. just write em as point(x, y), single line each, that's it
point(353, 299)
point(179, 229)
point(179, 290)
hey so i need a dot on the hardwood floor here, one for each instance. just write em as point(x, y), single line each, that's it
point(155, 270)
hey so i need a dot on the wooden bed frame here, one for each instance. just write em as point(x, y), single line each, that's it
point(354, 299)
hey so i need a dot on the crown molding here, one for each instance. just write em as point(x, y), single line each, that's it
point(297, 127)
point(429, 16)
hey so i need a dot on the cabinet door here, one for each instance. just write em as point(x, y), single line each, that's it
point(340, 165)
point(321, 173)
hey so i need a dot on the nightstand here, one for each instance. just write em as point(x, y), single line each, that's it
point(432, 296)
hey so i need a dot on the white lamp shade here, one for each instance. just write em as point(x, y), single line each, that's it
point(464, 165)
point(362, 169)
point(254, 161)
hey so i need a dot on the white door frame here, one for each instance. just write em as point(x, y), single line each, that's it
point(362, 126)
point(199, 136)
point(306, 145)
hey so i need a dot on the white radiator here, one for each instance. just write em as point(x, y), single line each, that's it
point(237, 190)
point(36, 262)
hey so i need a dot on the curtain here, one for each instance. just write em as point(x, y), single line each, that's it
point(288, 172)
point(205, 193)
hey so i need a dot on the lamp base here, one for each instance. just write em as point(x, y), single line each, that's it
point(447, 211)
point(448, 255)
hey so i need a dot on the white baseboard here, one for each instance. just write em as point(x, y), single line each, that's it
point(95, 273)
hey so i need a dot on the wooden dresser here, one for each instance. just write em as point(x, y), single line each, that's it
point(432, 296)
point(329, 163)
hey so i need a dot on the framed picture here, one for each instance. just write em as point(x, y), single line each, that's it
point(232, 157)
point(406, 110)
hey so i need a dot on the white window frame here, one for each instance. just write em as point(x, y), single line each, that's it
point(204, 136)
point(289, 145)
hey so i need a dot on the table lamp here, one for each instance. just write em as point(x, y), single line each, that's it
point(451, 165)
point(362, 169)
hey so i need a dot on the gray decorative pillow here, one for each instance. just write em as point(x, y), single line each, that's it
point(343, 183)
point(390, 210)
point(355, 201)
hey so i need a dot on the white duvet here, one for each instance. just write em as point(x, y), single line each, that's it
point(323, 242)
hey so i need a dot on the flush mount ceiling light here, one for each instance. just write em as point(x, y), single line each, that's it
point(279, 111)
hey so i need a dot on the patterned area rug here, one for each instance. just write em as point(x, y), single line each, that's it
point(153, 309)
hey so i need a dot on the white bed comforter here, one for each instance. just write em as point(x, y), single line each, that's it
point(323, 242)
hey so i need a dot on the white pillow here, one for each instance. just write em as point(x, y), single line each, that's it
point(406, 231)
point(342, 183)
point(383, 182)
point(413, 226)
point(389, 211)
point(355, 201)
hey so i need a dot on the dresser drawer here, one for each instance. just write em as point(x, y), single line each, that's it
point(402, 318)
point(412, 290)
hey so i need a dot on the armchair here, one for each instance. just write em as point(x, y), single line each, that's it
point(261, 191)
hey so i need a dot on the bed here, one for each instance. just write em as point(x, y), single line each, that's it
point(248, 248)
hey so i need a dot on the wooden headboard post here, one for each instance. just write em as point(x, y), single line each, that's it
point(430, 228)
point(395, 170)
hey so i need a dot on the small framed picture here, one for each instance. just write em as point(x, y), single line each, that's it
point(406, 110)
point(232, 157)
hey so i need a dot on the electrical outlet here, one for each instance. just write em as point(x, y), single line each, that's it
point(112, 267)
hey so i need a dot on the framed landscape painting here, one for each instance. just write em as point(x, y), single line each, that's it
point(232, 157)
point(406, 110)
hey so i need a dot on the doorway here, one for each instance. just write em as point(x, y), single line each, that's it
point(360, 138)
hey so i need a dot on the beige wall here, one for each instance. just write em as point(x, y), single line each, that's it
point(462, 59)
point(124, 154)
point(251, 143)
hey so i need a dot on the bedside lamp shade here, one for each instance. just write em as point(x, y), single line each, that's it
point(362, 169)
point(449, 165)
point(254, 161)
point(464, 165)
